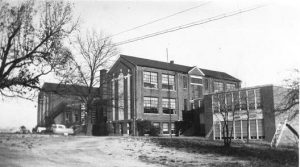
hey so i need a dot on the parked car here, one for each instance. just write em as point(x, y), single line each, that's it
point(40, 130)
point(61, 129)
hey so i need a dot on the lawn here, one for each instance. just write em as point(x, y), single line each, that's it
point(258, 153)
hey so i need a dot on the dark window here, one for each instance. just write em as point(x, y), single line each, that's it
point(168, 82)
point(251, 99)
point(150, 104)
point(185, 82)
point(216, 107)
point(197, 91)
point(243, 99)
point(196, 80)
point(206, 84)
point(150, 79)
point(236, 101)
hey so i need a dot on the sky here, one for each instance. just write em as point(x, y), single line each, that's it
point(259, 47)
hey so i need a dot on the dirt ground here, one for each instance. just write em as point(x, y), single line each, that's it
point(52, 150)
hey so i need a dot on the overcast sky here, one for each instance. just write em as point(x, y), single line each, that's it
point(259, 47)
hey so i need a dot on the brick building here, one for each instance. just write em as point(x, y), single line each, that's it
point(143, 89)
point(63, 104)
point(262, 103)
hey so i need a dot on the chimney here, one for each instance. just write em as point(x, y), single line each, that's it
point(103, 84)
point(102, 74)
point(172, 62)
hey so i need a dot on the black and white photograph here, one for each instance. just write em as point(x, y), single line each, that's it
point(149, 83)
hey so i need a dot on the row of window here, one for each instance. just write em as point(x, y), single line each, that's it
point(150, 80)
point(165, 127)
point(239, 129)
point(219, 86)
point(239, 100)
point(168, 82)
point(151, 105)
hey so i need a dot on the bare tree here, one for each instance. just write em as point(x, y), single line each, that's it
point(94, 53)
point(290, 101)
point(225, 106)
point(31, 43)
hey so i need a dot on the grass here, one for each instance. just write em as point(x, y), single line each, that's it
point(258, 153)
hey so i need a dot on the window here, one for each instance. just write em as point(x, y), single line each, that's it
point(253, 129)
point(196, 80)
point(172, 128)
point(156, 124)
point(168, 82)
point(258, 98)
point(260, 129)
point(230, 86)
point(236, 101)
point(150, 104)
point(168, 106)
point(185, 82)
point(243, 99)
point(206, 84)
point(165, 128)
point(150, 79)
point(238, 134)
point(218, 86)
point(197, 91)
point(229, 101)
point(217, 131)
point(77, 117)
point(251, 99)
point(216, 106)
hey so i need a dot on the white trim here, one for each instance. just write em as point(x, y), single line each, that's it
point(198, 70)
point(196, 84)
point(196, 76)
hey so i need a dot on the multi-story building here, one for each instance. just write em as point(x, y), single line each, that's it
point(260, 103)
point(143, 89)
point(64, 104)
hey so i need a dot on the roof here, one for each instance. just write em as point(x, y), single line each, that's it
point(176, 67)
point(67, 89)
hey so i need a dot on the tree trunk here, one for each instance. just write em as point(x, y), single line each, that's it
point(89, 125)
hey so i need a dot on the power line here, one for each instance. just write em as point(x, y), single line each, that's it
point(157, 20)
point(199, 22)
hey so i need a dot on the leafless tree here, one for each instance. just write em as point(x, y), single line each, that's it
point(95, 52)
point(31, 43)
point(290, 102)
point(226, 105)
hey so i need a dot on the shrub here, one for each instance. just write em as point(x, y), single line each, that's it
point(154, 130)
point(146, 127)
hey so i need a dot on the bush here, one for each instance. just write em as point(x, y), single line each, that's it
point(154, 131)
point(146, 127)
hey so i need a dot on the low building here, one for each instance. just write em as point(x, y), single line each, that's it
point(64, 104)
point(260, 103)
point(143, 89)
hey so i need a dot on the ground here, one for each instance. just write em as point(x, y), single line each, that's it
point(53, 150)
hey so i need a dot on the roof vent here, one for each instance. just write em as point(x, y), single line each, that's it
point(172, 61)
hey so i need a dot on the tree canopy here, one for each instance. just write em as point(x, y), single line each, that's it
point(32, 38)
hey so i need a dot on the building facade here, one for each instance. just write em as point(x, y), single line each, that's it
point(143, 89)
point(63, 104)
point(259, 103)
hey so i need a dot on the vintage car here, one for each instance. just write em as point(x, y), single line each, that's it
point(61, 129)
